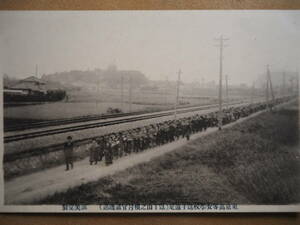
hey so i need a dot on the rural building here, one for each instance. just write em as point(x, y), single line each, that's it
point(30, 85)
point(34, 89)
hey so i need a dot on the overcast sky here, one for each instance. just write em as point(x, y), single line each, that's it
point(158, 43)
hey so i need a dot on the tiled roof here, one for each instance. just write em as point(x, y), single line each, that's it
point(29, 86)
point(33, 79)
point(36, 84)
point(30, 83)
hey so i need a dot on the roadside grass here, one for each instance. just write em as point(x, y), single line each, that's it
point(254, 162)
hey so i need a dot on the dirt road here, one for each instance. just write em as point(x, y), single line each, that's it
point(34, 187)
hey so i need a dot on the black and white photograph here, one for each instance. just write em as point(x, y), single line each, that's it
point(150, 111)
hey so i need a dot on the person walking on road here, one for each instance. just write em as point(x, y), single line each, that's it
point(68, 152)
point(93, 152)
point(100, 148)
point(108, 154)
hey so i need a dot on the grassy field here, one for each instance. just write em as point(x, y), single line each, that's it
point(254, 162)
point(83, 104)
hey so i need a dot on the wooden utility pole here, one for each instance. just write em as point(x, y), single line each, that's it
point(270, 82)
point(297, 84)
point(130, 94)
point(122, 92)
point(252, 92)
point(165, 91)
point(97, 93)
point(221, 45)
point(292, 86)
point(269, 88)
point(227, 98)
point(283, 91)
point(177, 94)
point(97, 90)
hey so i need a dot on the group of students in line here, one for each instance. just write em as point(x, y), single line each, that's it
point(115, 145)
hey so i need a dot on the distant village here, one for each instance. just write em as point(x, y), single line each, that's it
point(55, 87)
point(32, 89)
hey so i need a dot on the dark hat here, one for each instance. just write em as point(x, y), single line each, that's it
point(69, 138)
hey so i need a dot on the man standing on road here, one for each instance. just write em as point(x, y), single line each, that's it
point(68, 152)
point(100, 148)
point(108, 154)
point(93, 152)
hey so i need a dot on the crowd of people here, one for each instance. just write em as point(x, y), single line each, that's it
point(115, 145)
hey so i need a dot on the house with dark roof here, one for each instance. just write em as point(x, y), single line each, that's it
point(31, 85)
point(33, 89)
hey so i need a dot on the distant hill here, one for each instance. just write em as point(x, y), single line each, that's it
point(110, 77)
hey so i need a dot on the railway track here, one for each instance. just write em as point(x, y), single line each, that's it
point(35, 134)
point(59, 122)
point(26, 126)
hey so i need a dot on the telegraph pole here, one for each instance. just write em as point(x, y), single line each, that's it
point(165, 92)
point(297, 84)
point(252, 92)
point(98, 93)
point(226, 77)
point(97, 90)
point(270, 82)
point(177, 94)
point(269, 88)
point(292, 86)
point(221, 45)
point(130, 94)
point(122, 92)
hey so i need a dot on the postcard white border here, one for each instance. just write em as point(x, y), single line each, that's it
point(96, 208)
